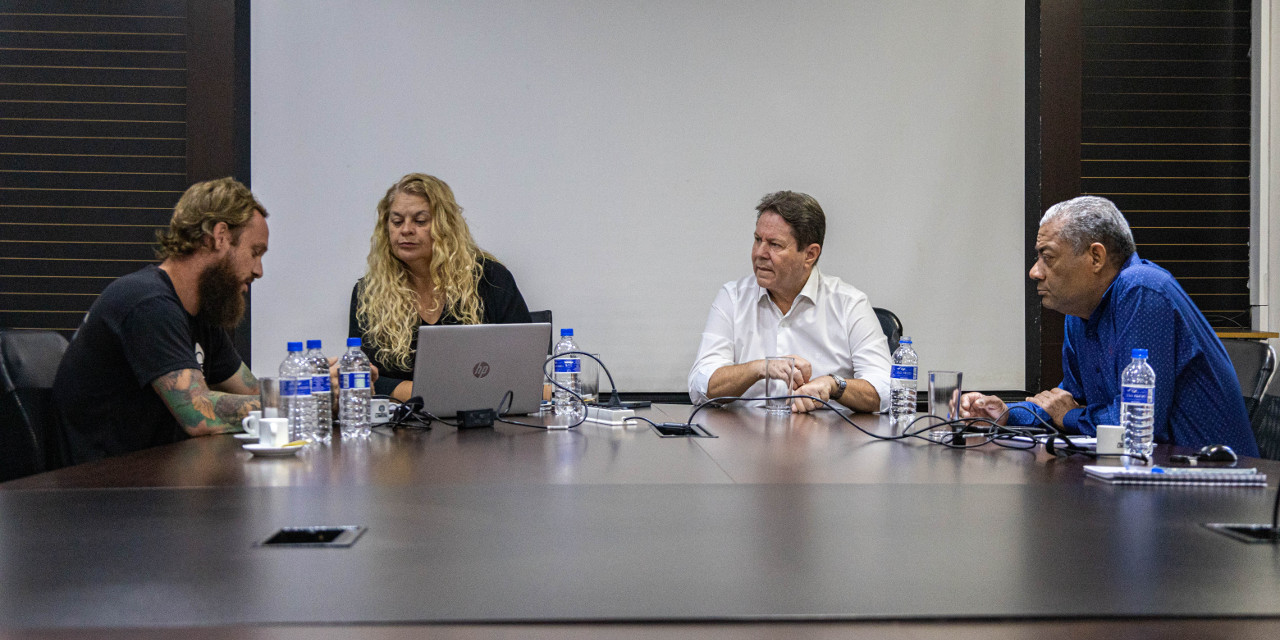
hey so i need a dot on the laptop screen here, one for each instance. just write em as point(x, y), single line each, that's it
point(466, 367)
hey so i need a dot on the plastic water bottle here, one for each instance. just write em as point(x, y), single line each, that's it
point(902, 382)
point(354, 392)
point(321, 394)
point(295, 393)
point(1138, 406)
point(567, 372)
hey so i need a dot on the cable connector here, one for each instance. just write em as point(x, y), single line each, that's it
point(608, 415)
point(476, 418)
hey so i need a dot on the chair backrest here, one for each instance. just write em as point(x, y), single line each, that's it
point(31, 438)
point(891, 326)
point(545, 316)
point(1254, 361)
point(1266, 427)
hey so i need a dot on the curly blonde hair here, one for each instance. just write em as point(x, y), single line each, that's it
point(200, 209)
point(387, 306)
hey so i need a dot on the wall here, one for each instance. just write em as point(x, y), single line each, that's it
point(611, 154)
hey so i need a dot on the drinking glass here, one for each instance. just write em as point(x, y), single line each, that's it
point(269, 393)
point(589, 379)
point(777, 383)
point(944, 402)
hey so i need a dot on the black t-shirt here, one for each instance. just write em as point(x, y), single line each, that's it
point(135, 332)
point(502, 301)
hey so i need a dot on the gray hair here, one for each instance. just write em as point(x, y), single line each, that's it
point(1089, 219)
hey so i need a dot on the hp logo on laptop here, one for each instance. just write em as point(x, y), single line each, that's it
point(480, 370)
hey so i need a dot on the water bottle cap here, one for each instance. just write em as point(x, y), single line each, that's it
point(1140, 353)
point(566, 332)
point(354, 342)
point(904, 340)
point(313, 344)
point(295, 346)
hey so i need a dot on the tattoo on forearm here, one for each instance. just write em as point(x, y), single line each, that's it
point(234, 407)
point(199, 410)
point(248, 379)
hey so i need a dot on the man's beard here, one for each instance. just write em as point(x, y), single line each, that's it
point(221, 303)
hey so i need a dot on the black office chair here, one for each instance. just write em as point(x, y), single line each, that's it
point(545, 316)
point(891, 325)
point(1266, 426)
point(31, 437)
point(1255, 362)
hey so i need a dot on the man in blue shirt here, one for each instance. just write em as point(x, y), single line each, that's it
point(1087, 267)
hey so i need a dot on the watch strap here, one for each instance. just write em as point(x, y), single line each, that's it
point(840, 386)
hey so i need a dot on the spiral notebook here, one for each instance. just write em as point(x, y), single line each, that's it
point(1187, 476)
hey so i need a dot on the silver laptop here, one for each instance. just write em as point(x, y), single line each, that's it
point(465, 367)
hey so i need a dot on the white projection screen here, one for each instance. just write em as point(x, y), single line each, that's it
point(611, 154)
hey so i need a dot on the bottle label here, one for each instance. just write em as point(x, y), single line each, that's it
point(354, 380)
point(302, 387)
point(903, 372)
point(568, 365)
point(288, 387)
point(320, 384)
point(1137, 395)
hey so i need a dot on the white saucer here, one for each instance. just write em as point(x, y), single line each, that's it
point(244, 437)
point(264, 450)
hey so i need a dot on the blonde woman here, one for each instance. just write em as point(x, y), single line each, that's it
point(424, 268)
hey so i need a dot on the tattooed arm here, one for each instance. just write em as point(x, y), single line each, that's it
point(241, 382)
point(199, 410)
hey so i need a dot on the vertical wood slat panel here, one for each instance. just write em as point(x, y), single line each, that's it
point(218, 106)
point(1060, 122)
point(92, 148)
point(1165, 134)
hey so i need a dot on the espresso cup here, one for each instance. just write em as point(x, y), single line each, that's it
point(273, 432)
point(250, 423)
point(1110, 438)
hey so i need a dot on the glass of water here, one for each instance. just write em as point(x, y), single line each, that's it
point(944, 396)
point(777, 383)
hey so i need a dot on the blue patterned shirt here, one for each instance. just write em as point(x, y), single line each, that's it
point(1197, 400)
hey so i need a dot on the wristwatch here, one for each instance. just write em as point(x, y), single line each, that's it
point(840, 385)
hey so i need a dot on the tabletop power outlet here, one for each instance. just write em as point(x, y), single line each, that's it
point(606, 415)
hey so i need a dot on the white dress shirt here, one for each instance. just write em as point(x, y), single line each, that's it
point(830, 324)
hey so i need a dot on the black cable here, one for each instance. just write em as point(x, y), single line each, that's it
point(651, 423)
point(576, 398)
point(411, 415)
point(685, 428)
point(508, 398)
point(994, 431)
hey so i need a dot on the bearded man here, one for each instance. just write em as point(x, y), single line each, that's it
point(152, 363)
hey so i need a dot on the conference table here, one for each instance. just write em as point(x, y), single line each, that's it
point(799, 525)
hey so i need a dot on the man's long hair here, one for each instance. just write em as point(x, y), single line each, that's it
point(387, 306)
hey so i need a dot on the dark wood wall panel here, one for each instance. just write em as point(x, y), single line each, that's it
point(93, 148)
point(1165, 133)
point(1060, 99)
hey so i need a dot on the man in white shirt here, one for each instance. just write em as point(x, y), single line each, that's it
point(789, 308)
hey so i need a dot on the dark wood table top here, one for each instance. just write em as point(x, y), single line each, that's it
point(752, 447)
point(803, 525)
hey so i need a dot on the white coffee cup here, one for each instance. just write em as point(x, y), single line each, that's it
point(250, 423)
point(273, 432)
point(1110, 438)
